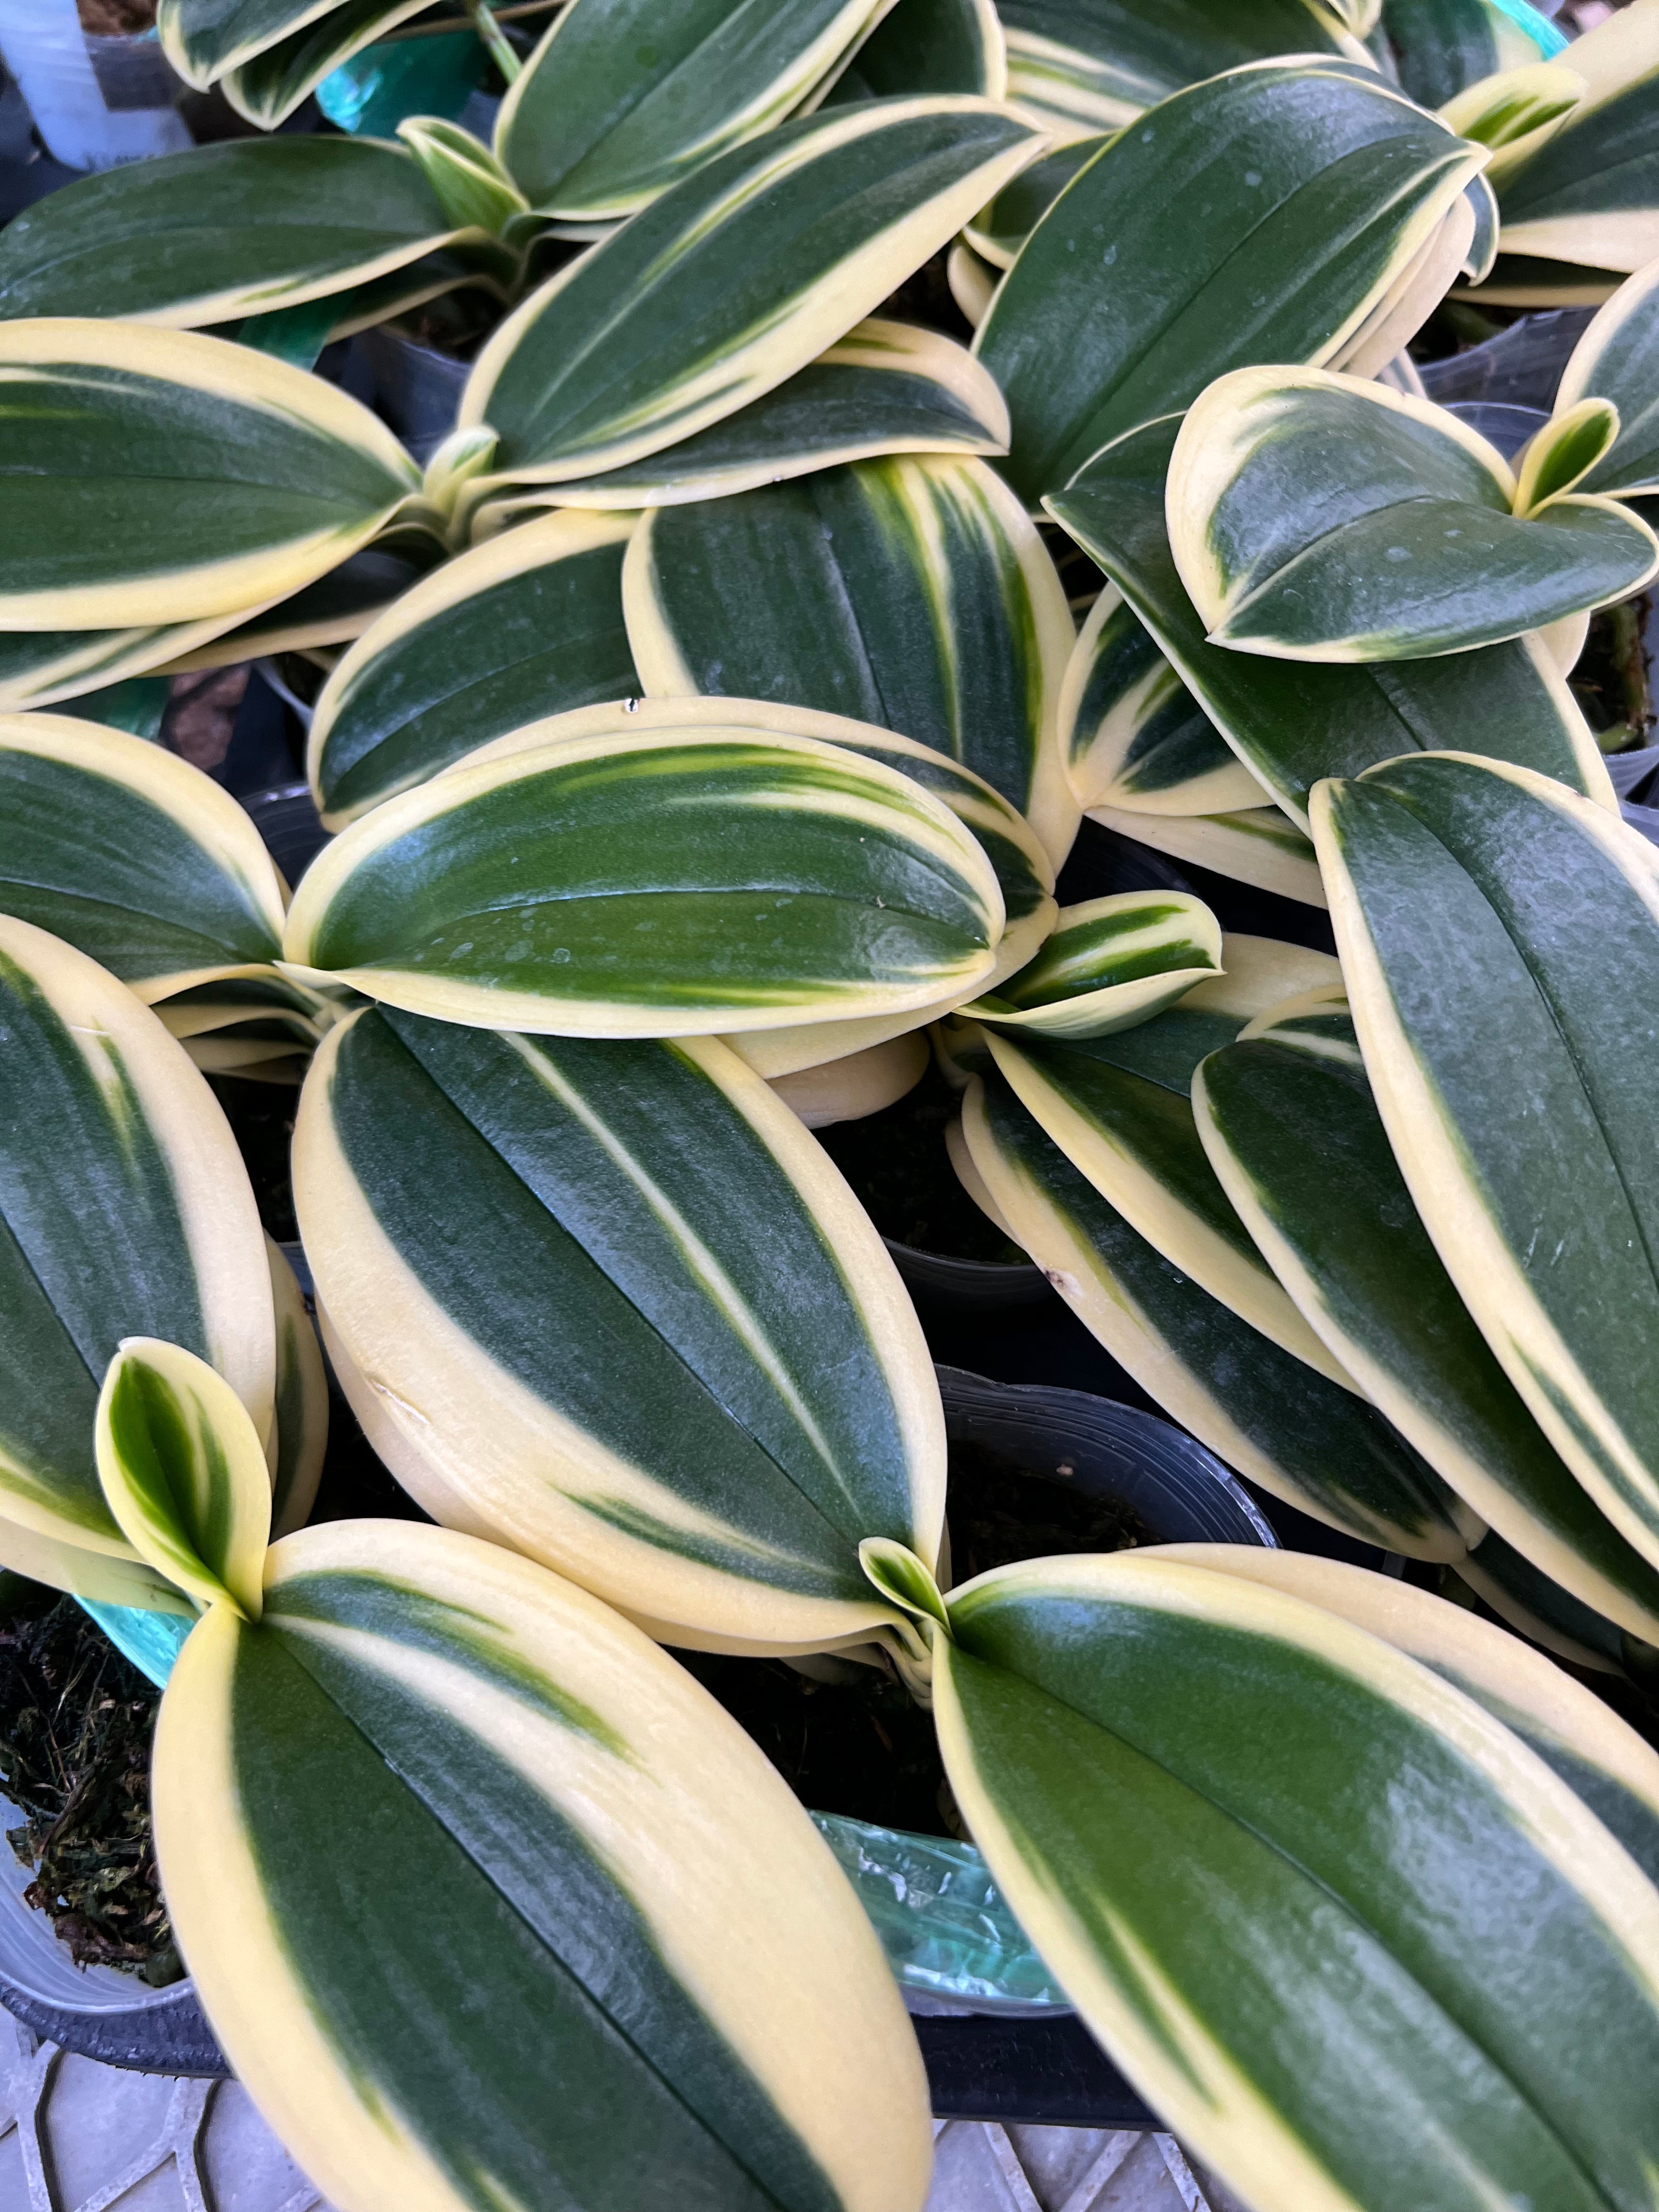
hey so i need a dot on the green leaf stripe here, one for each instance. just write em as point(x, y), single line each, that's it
point(1110, 964)
point(654, 1213)
point(913, 593)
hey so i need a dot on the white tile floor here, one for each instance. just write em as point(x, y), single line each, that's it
point(79, 2138)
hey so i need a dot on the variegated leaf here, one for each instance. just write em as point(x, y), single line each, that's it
point(998, 230)
point(203, 39)
point(1590, 194)
point(886, 387)
point(1325, 518)
point(1321, 184)
point(527, 625)
point(237, 228)
point(184, 1472)
point(1292, 722)
point(1267, 1414)
point(1096, 67)
point(910, 593)
point(619, 100)
point(124, 1210)
point(1287, 1119)
point(1259, 845)
point(1134, 1139)
point(736, 277)
point(1344, 1929)
point(680, 1366)
point(1601, 1758)
point(301, 1401)
point(1111, 963)
point(268, 88)
point(286, 476)
point(686, 879)
point(1132, 735)
point(133, 855)
point(456, 1857)
point(1515, 1078)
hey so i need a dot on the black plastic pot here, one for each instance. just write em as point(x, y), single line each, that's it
point(968, 1285)
point(1520, 368)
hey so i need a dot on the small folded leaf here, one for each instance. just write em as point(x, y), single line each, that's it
point(268, 88)
point(1319, 184)
point(671, 883)
point(1515, 1080)
point(1265, 1413)
point(619, 101)
point(528, 625)
point(471, 186)
point(236, 228)
point(131, 855)
point(1316, 517)
point(1614, 361)
point(185, 1473)
point(884, 388)
point(124, 1208)
point(1111, 962)
point(301, 1401)
point(1513, 112)
point(455, 1855)
point(912, 592)
point(1287, 1119)
point(1292, 722)
point(1135, 1140)
point(1602, 1759)
point(1097, 67)
point(156, 476)
point(1259, 845)
point(1590, 192)
point(680, 1367)
point(738, 276)
point(1342, 1929)
point(1561, 455)
point(1131, 734)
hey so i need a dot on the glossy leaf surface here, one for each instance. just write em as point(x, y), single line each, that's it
point(1111, 962)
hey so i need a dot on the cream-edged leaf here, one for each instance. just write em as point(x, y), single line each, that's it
point(286, 476)
point(1614, 361)
point(133, 855)
point(424, 1733)
point(680, 1367)
point(184, 1472)
point(1325, 518)
point(527, 625)
point(684, 880)
point(1110, 964)
point(735, 278)
point(1292, 722)
point(1339, 1924)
